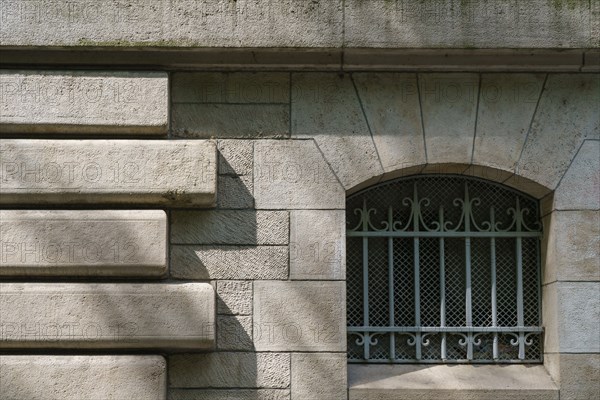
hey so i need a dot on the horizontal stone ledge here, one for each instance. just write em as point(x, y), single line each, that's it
point(117, 243)
point(83, 377)
point(84, 102)
point(348, 59)
point(162, 172)
point(170, 317)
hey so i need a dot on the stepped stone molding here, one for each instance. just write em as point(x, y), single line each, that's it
point(44, 377)
point(177, 173)
point(83, 102)
point(290, 23)
point(83, 243)
point(107, 316)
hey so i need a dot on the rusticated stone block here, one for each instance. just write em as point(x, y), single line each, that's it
point(83, 243)
point(229, 262)
point(235, 192)
point(83, 102)
point(294, 174)
point(234, 333)
point(317, 244)
point(578, 375)
point(236, 157)
point(107, 316)
point(299, 316)
point(226, 370)
point(178, 173)
point(247, 227)
point(237, 394)
point(234, 297)
point(82, 377)
point(579, 188)
point(319, 376)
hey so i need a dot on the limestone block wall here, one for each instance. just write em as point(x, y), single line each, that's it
point(208, 260)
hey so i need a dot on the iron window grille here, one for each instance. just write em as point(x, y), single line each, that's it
point(443, 269)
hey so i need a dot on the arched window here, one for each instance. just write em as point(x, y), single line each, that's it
point(443, 269)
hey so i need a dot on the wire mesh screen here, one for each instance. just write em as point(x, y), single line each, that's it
point(443, 269)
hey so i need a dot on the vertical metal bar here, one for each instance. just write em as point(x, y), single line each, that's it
point(443, 298)
point(366, 321)
point(417, 297)
point(520, 314)
point(391, 296)
point(494, 296)
point(469, 311)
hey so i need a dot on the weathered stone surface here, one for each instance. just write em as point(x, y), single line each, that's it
point(575, 317)
point(233, 87)
point(448, 138)
point(506, 106)
point(83, 243)
point(234, 297)
point(235, 192)
point(457, 382)
point(294, 175)
point(229, 262)
point(83, 102)
point(326, 107)
point(467, 24)
point(578, 375)
point(392, 109)
point(223, 370)
point(566, 114)
point(299, 316)
point(192, 120)
point(237, 394)
point(319, 376)
point(245, 227)
point(178, 173)
point(572, 250)
point(236, 157)
point(579, 188)
point(107, 316)
point(317, 244)
point(82, 377)
point(234, 333)
point(172, 23)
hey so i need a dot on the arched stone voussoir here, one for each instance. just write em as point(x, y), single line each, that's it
point(326, 108)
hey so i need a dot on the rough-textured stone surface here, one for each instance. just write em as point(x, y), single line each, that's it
point(234, 297)
point(566, 114)
point(580, 186)
point(299, 316)
point(391, 105)
point(234, 333)
point(468, 24)
point(229, 262)
point(572, 250)
point(82, 377)
point(234, 87)
point(317, 244)
point(458, 382)
point(191, 120)
point(172, 23)
point(506, 106)
point(319, 376)
point(326, 107)
point(222, 370)
point(107, 316)
point(83, 102)
point(449, 139)
point(578, 375)
point(83, 243)
point(235, 192)
point(234, 394)
point(247, 227)
point(574, 317)
point(294, 175)
point(236, 157)
point(108, 171)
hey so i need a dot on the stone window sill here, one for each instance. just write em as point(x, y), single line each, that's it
point(449, 382)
